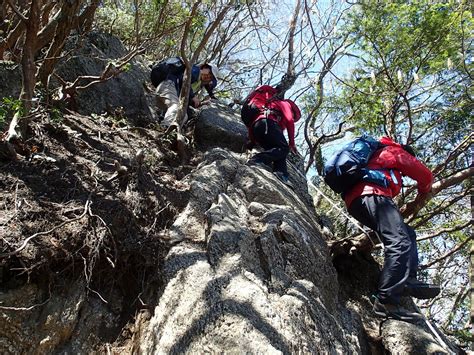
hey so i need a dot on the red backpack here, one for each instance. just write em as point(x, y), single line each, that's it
point(259, 101)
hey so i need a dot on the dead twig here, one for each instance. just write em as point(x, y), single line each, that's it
point(111, 71)
point(24, 308)
point(98, 295)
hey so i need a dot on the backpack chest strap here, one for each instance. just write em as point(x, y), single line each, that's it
point(272, 114)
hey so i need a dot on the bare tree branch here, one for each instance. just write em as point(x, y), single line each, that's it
point(445, 230)
point(448, 254)
point(452, 180)
point(459, 149)
point(12, 38)
point(17, 12)
point(420, 201)
point(110, 71)
point(66, 17)
point(289, 78)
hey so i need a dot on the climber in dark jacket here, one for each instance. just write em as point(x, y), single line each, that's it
point(372, 205)
point(202, 76)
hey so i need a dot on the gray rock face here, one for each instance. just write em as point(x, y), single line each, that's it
point(51, 322)
point(220, 126)
point(408, 338)
point(250, 271)
point(125, 93)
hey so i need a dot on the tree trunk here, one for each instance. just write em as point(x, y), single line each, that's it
point(85, 19)
point(28, 65)
point(66, 21)
point(471, 254)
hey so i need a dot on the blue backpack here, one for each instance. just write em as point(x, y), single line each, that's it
point(348, 166)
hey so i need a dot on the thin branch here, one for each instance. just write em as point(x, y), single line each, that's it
point(447, 255)
point(461, 295)
point(16, 11)
point(452, 180)
point(289, 78)
point(439, 209)
point(12, 38)
point(412, 208)
point(445, 230)
point(6, 308)
point(409, 116)
point(110, 72)
point(459, 149)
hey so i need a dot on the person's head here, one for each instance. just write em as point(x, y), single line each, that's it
point(208, 73)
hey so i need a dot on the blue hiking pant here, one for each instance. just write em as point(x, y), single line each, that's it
point(270, 137)
point(401, 254)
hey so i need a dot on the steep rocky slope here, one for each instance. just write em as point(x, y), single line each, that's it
point(212, 255)
point(109, 243)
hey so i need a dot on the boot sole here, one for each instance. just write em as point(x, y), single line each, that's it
point(396, 316)
point(423, 293)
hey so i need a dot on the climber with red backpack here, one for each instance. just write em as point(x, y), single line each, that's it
point(266, 117)
point(368, 173)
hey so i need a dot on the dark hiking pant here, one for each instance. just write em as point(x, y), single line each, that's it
point(269, 136)
point(401, 254)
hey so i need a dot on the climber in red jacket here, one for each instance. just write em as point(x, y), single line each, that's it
point(267, 130)
point(372, 205)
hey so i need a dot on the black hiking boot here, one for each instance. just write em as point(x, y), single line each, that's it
point(420, 290)
point(394, 311)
